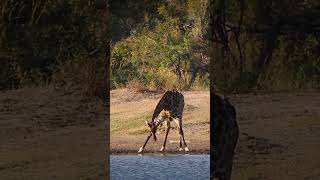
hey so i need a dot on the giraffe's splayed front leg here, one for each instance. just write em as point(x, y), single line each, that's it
point(162, 149)
point(140, 150)
point(180, 149)
point(186, 149)
point(144, 145)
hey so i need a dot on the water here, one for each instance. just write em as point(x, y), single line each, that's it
point(165, 167)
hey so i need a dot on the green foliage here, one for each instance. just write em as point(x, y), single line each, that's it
point(159, 54)
point(7, 75)
point(309, 74)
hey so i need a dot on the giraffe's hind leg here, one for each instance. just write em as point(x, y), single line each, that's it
point(182, 140)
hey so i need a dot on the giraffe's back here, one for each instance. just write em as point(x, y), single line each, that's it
point(173, 101)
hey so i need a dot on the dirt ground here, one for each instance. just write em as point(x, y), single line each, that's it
point(50, 135)
point(129, 110)
point(279, 136)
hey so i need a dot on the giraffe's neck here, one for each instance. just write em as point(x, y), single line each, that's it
point(163, 116)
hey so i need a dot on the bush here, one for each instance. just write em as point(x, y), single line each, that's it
point(163, 51)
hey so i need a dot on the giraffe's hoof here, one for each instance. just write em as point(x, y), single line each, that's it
point(140, 150)
point(186, 149)
point(180, 149)
point(162, 149)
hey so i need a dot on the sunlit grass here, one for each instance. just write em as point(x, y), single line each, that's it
point(133, 126)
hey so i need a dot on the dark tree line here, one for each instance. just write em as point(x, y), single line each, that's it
point(40, 38)
point(254, 44)
point(254, 40)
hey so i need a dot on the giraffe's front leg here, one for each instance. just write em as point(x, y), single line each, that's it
point(144, 145)
point(165, 140)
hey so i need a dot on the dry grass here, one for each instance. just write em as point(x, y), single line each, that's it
point(81, 76)
point(136, 85)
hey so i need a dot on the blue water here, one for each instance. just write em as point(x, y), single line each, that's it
point(166, 167)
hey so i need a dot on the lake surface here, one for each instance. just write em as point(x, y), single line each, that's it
point(166, 167)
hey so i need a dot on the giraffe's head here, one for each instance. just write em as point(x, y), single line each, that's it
point(163, 115)
point(152, 129)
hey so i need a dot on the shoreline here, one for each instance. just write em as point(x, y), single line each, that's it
point(148, 152)
point(161, 154)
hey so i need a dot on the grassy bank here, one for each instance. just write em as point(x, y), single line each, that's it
point(130, 109)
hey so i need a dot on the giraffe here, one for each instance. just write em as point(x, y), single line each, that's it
point(224, 136)
point(169, 108)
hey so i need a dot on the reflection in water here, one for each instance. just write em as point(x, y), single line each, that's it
point(160, 166)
